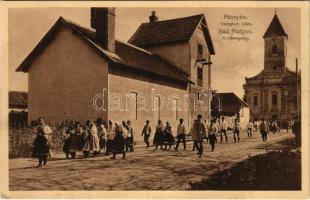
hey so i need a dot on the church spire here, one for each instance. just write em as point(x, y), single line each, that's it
point(275, 28)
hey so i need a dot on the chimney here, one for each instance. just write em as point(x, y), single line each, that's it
point(103, 21)
point(153, 18)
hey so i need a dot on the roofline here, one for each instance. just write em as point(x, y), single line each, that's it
point(49, 36)
point(232, 93)
point(18, 91)
point(205, 27)
point(173, 19)
point(210, 46)
point(275, 17)
point(264, 36)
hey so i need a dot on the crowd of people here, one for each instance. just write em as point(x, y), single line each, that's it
point(107, 138)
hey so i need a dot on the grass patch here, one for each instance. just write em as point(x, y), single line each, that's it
point(275, 170)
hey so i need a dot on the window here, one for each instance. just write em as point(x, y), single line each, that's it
point(274, 99)
point(274, 67)
point(199, 76)
point(175, 109)
point(255, 100)
point(133, 110)
point(199, 51)
point(157, 107)
point(274, 49)
point(199, 96)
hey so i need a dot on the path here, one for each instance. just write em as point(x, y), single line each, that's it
point(144, 169)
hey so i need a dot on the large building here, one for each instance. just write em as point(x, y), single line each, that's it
point(231, 107)
point(162, 72)
point(275, 92)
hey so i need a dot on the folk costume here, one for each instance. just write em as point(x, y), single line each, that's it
point(41, 144)
point(92, 141)
point(129, 139)
point(159, 136)
point(118, 142)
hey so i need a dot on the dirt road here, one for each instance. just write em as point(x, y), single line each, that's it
point(144, 169)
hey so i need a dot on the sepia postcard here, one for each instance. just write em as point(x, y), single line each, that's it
point(180, 100)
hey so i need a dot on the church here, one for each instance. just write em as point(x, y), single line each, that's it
point(274, 93)
point(163, 72)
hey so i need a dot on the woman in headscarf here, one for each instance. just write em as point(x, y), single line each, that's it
point(110, 137)
point(102, 133)
point(118, 142)
point(129, 138)
point(80, 134)
point(41, 144)
point(159, 135)
point(67, 140)
point(168, 137)
point(74, 142)
point(92, 140)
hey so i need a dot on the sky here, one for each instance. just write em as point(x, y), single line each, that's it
point(233, 60)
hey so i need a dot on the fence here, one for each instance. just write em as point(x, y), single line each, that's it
point(21, 140)
point(18, 119)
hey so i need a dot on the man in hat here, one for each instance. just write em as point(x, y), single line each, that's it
point(181, 135)
point(264, 129)
point(198, 132)
point(146, 132)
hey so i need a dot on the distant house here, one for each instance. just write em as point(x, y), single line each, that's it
point(78, 73)
point(230, 106)
point(18, 104)
point(18, 100)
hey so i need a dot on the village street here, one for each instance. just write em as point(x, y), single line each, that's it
point(144, 169)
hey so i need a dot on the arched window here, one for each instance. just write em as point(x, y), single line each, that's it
point(274, 99)
point(274, 49)
point(255, 100)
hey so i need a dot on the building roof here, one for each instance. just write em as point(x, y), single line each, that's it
point(18, 99)
point(170, 31)
point(229, 105)
point(288, 76)
point(125, 54)
point(275, 28)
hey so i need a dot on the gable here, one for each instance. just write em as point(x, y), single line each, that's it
point(60, 24)
point(133, 57)
point(170, 31)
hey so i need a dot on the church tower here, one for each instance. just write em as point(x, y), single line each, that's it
point(273, 93)
point(275, 48)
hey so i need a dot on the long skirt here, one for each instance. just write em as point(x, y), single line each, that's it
point(159, 138)
point(102, 143)
point(40, 147)
point(74, 143)
point(118, 144)
point(169, 139)
point(66, 145)
point(92, 143)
